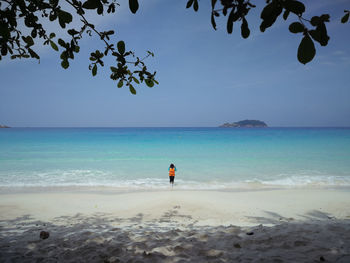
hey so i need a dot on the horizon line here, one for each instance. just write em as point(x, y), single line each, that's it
point(82, 127)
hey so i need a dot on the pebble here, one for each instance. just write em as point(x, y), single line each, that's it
point(44, 234)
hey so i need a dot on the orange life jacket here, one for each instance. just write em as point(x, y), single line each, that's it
point(172, 172)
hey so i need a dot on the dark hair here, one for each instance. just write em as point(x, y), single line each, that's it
point(172, 165)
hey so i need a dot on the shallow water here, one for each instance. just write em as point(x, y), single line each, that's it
point(206, 158)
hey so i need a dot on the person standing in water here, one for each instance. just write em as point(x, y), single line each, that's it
point(172, 170)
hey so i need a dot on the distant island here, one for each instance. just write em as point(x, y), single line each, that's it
point(4, 126)
point(244, 124)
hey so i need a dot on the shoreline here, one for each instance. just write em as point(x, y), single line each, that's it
point(104, 189)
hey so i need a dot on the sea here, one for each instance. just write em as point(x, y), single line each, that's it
point(205, 158)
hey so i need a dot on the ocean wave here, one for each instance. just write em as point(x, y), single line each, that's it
point(304, 180)
point(73, 179)
point(97, 178)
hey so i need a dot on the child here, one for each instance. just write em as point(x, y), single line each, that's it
point(172, 170)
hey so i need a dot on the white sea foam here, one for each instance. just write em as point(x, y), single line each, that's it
point(306, 181)
point(97, 178)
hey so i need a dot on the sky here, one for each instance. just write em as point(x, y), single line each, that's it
point(206, 77)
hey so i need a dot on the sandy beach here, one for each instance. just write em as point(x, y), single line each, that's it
point(271, 225)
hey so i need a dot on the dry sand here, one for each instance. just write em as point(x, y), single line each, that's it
point(286, 225)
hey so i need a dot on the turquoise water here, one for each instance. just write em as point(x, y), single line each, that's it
point(206, 158)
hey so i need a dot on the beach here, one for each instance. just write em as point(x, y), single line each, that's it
point(165, 139)
point(240, 195)
point(106, 225)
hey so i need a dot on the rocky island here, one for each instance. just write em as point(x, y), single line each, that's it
point(4, 126)
point(244, 124)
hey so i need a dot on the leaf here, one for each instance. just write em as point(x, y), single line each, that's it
point(121, 47)
point(100, 9)
point(269, 15)
point(72, 32)
point(245, 32)
point(315, 34)
point(286, 14)
point(33, 54)
point(156, 81)
point(323, 34)
point(61, 42)
point(345, 18)
point(267, 11)
point(120, 84)
point(76, 49)
point(189, 3)
point(295, 7)
point(325, 17)
point(230, 22)
point(195, 5)
point(136, 80)
point(133, 5)
point(34, 33)
point(52, 35)
point(111, 8)
point(306, 50)
point(64, 55)
point(64, 18)
point(315, 20)
point(132, 90)
point(94, 70)
point(65, 64)
point(213, 21)
point(114, 69)
point(296, 27)
point(53, 45)
point(149, 83)
point(91, 4)
point(67, 17)
point(29, 40)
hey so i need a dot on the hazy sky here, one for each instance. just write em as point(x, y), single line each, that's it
point(206, 77)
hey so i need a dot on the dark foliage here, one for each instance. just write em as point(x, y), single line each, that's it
point(129, 69)
point(312, 30)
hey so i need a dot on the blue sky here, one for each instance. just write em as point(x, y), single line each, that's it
point(206, 77)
